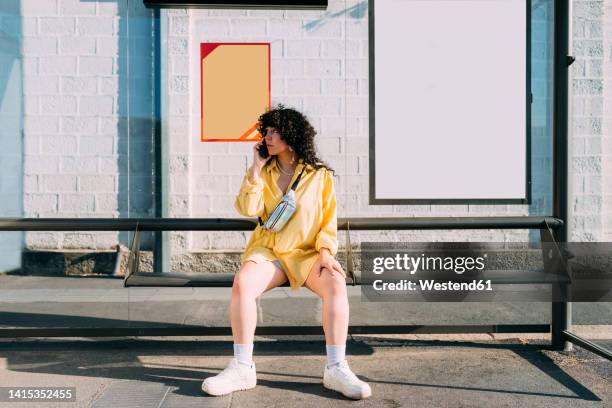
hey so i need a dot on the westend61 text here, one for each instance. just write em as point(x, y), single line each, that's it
point(432, 285)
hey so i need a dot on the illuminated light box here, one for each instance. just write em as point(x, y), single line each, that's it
point(450, 101)
point(235, 90)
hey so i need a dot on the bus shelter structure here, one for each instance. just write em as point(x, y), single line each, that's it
point(553, 229)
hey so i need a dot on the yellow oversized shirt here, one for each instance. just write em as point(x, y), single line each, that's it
point(312, 226)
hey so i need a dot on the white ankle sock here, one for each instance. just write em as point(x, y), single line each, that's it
point(244, 353)
point(335, 353)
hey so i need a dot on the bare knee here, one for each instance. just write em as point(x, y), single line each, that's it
point(335, 285)
point(241, 286)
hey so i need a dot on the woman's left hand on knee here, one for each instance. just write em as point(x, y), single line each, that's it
point(332, 265)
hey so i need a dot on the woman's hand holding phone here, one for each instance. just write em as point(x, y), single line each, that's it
point(258, 160)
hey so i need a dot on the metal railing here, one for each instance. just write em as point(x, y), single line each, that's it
point(134, 277)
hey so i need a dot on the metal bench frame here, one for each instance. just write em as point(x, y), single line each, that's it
point(134, 277)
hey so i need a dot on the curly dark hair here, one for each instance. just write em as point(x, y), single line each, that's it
point(296, 131)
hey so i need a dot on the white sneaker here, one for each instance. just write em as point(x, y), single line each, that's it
point(340, 378)
point(236, 376)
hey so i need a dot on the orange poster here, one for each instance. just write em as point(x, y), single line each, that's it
point(235, 84)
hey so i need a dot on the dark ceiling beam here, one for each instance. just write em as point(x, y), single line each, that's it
point(240, 4)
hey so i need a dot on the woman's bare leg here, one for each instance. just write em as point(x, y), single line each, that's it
point(335, 313)
point(252, 280)
point(333, 292)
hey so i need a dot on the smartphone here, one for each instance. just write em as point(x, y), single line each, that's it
point(263, 149)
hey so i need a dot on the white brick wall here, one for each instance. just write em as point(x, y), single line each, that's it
point(76, 150)
point(587, 161)
point(76, 159)
point(59, 108)
point(319, 65)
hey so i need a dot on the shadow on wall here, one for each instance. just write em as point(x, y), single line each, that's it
point(135, 115)
point(358, 11)
point(11, 131)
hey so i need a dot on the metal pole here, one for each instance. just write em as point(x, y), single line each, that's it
point(158, 250)
point(561, 318)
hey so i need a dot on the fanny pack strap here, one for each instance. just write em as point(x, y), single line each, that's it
point(293, 187)
point(297, 180)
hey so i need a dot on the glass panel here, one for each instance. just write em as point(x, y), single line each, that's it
point(65, 138)
point(469, 313)
point(314, 68)
point(80, 87)
point(542, 54)
point(319, 65)
point(593, 321)
point(12, 178)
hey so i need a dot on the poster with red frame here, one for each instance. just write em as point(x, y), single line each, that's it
point(235, 90)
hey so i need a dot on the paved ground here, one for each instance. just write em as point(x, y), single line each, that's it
point(167, 372)
point(417, 370)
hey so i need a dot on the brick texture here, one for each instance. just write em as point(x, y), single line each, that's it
point(79, 146)
point(84, 158)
